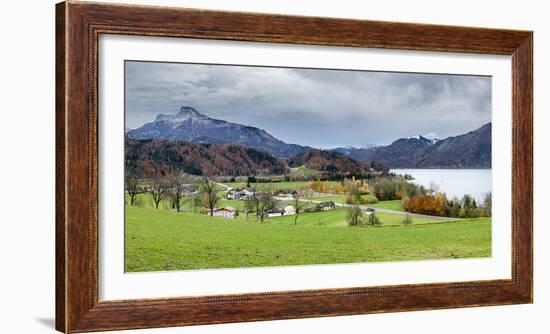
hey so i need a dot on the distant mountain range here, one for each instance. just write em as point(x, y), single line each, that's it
point(190, 125)
point(348, 150)
point(470, 150)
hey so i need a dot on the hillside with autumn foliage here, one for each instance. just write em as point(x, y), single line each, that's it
point(149, 158)
point(327, 161)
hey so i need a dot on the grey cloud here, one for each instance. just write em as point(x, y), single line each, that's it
point(316, 107)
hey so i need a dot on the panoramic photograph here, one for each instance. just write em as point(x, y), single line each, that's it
point(232, 166)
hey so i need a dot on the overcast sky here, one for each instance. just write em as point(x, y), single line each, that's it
point(315, 107)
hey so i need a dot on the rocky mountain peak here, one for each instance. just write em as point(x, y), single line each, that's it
point(185, 113)
point(190, 125)
point(188, 112)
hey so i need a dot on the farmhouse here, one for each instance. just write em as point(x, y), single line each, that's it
point(225, 212)
point(185, 189)
point(247, 193)
point(290, 210)
point(234, 194)
point(287, 193)
point(281, 210)
point(275, 212)
point(325, 206)
point(243, 194)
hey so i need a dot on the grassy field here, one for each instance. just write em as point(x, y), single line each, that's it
point(166, 240)
point(305, 171)
point(395, 205)
point(295, 185)
point(338, 218)
point(390, 205)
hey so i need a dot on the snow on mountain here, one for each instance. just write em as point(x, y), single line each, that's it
point(425, 139)
point(190, 125)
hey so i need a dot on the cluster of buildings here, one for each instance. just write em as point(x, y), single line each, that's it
point(281, 209)
point(247, 193)
point(242, 194)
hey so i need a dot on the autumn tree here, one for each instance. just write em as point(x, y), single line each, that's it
point(132, 187)
point(433, 205)
point(318, 186)
point(210, 195)
point(354, 194)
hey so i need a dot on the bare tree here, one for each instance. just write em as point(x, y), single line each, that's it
point(157, 190)
point(249, 205)
point(210, 192)
point(176, 190)
point(407, 220)
point(132, 187)
point(299, 206)
point(255, 200)
point(433, 189)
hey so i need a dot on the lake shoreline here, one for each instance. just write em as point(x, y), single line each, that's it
point(456, 182)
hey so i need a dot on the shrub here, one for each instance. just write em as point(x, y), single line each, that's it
point(355, 216)
point(394, 188)
point(407, 220)
point(369, 199)
point(139, 202)
point(373, 220)
point(350, 200)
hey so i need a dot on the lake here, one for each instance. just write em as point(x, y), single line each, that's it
point(453, 182)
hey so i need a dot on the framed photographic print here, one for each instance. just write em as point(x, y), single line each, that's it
point(223, 166)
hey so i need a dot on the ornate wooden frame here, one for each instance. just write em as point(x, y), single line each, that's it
point(78, 25)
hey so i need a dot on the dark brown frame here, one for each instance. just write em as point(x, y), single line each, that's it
point(78, 25)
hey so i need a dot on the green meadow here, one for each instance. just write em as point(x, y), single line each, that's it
point(390, 205)
point(294, 185)
point(166, 240)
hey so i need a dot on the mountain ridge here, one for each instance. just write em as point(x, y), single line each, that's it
point(190, 125)
point(469, 150)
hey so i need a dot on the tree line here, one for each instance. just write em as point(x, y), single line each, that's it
point(175, 189)
point(178, 189)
